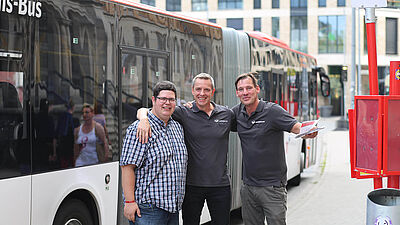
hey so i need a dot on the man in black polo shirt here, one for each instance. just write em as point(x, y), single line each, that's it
point(207, 126)
point(260, 126)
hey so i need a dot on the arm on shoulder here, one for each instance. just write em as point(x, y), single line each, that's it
point(143, 129)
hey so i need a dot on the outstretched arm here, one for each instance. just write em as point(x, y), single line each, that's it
point(296, 130)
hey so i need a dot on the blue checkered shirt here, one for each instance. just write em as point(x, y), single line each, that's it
point(161, 163)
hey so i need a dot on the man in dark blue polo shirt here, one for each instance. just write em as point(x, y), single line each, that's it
point(206, 126)
point(260, 126)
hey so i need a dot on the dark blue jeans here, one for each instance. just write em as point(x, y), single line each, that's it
point(218, 202)
point(151, 215)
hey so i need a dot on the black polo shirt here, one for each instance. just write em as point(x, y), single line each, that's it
point(207, 139)
point(261, 136)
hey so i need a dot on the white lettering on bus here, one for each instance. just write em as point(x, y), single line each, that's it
point(25, 7)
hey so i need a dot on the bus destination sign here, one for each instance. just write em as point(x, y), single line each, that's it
point(22, 7)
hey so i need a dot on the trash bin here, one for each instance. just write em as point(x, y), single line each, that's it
point(383, 207)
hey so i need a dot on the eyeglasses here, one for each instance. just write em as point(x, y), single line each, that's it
point(164, 99)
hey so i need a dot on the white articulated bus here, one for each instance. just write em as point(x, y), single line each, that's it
point(56, 55)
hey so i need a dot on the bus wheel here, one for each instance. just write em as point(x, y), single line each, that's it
point(295, 181)
point(73, 212)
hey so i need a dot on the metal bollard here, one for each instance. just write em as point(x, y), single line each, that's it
point(383, 207)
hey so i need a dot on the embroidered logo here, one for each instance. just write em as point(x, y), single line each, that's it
point(256, 122)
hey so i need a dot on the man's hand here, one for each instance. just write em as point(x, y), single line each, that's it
point(312, 135)
point(188, 105)
point(143, 131)
point(130, 210)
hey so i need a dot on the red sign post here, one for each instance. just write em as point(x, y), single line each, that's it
point(391, 147)
point(375, 134)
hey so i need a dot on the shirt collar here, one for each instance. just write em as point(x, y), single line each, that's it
point(196, 109)
point(260, 106)
point(156, 119)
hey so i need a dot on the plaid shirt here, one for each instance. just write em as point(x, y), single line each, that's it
point(161, 164)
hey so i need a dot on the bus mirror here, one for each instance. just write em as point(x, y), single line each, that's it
point(325, 84)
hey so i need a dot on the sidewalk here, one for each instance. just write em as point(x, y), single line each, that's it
point(332, 197)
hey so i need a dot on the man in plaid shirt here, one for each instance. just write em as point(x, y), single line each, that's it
point(154, 174)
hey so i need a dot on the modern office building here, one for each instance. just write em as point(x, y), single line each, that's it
point(321, 28)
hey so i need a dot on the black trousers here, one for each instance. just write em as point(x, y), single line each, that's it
point(218, 203)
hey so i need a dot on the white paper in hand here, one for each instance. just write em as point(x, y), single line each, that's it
point(307, 128)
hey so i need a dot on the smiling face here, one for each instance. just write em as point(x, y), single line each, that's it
point(164, 105)
point(247, 92)
point(202, 91)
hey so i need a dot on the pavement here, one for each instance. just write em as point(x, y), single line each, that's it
point(330, 196)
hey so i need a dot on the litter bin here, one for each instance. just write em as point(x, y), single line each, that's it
point(383, 207)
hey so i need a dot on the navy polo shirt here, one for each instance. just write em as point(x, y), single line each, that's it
point(261, 136)
point(207, 140)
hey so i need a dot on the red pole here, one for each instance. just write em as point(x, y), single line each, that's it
point(372, 64)
point(393, 181)
point(370, 20)
point(378, 183)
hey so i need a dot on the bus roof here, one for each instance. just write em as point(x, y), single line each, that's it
point(274, 41)
point(164, 12)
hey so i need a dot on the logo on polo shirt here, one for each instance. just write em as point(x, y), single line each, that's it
point(258, 121)
point(221, 121)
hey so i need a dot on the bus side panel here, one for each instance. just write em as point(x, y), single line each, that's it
point(293, 153)
point(50, 189)
point(15, 197)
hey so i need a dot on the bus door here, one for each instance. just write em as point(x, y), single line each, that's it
point(15, 149)
point(140, 70)
point(277, 92)
point(313, 93)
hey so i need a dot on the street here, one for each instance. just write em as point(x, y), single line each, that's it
point(327, 195)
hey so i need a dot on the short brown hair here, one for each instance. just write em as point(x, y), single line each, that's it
point(164, 86)
point(251, 75)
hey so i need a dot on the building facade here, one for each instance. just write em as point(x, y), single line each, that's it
point(321, 28)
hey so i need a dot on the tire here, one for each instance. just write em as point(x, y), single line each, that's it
point(73, 212)
point(295, 181)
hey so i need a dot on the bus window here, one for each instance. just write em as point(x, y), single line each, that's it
point(293, 86)
point(74, 66)
point(132, 70)
point(264, 84)
point(14, 150)
point(14, 132)
point(157, 70)
point(304, 96)
point(312, 85)
point(140, 71)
